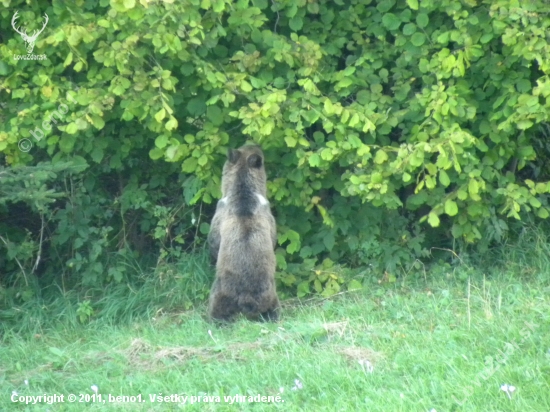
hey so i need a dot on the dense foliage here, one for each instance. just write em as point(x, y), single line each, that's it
point(389, 126)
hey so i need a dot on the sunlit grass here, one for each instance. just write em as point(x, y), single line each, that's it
point(450, 341)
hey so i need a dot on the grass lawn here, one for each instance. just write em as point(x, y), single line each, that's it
point(446, 342)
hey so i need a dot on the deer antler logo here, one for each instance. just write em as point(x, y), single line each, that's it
point(29, 39)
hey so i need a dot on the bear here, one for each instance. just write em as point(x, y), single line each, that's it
point(242, 241)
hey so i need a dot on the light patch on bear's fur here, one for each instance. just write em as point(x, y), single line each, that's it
point(223, 200)
point(263, 200)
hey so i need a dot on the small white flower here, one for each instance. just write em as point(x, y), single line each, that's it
point(433, 410)
point(509, 389)
point(281, 389)
point(367, 366)
point(297, 385)
point(14, 393)
point(26, 382)
point(94, 388)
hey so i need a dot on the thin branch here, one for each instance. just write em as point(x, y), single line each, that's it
point(17, 260)
point(276, 11)
point(39, 245)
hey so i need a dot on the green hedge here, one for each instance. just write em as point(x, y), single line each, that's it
point(389, 127)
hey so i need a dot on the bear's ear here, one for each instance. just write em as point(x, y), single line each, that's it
point(255, 161)
point(233, 155)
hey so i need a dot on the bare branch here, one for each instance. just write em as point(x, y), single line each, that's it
point(18, 263)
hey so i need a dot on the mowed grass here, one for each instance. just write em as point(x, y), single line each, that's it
point(446, 342)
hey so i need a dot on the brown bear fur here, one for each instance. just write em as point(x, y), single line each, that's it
point(242, 240)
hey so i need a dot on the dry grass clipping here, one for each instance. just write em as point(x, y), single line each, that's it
point(142, 354)
point(364, 357)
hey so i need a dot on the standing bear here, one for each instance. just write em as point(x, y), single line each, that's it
point(242, 240)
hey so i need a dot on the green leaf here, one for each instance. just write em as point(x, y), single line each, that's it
point(354, 285)
point(18, 93)
point(319, 137)
point(380, 157)
point(257, 83)
point(97, 121)
point(423, 65)
point(215, 115)
point(331, 288)
point(484, 127)
point(473, 187)
point(418, 39)
point(443, 38)
point(156, 153)
point(433, 219)
point(451, 208)
point(203, 160)
point(329, 109)
point(161, 141)
point(345, 82)
point(391, 21)
point(486, 38)
point(314, 160)
point(413, 4)
point(444, 178)
point(456, 230)
point(97, 154)
point(279, 83)
point(189, 165)
point(354, 120)
point(524, 124)
point(68, 59)
point(385, 5)
point(290, 141)
point(363, 97)
point(462, 195)
point(160, 115)
point(171, 124)
point(535, 202)
point(523, 85)
point(296, 23)
point(103, 23)
point(302, 289)
point(422, 20)
point(409, 29)
point(246, 87)
point(4, 69)
point(329, 241)
point(196, 106)
point(219, 5)
point(71, 128)
point(66, 143)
